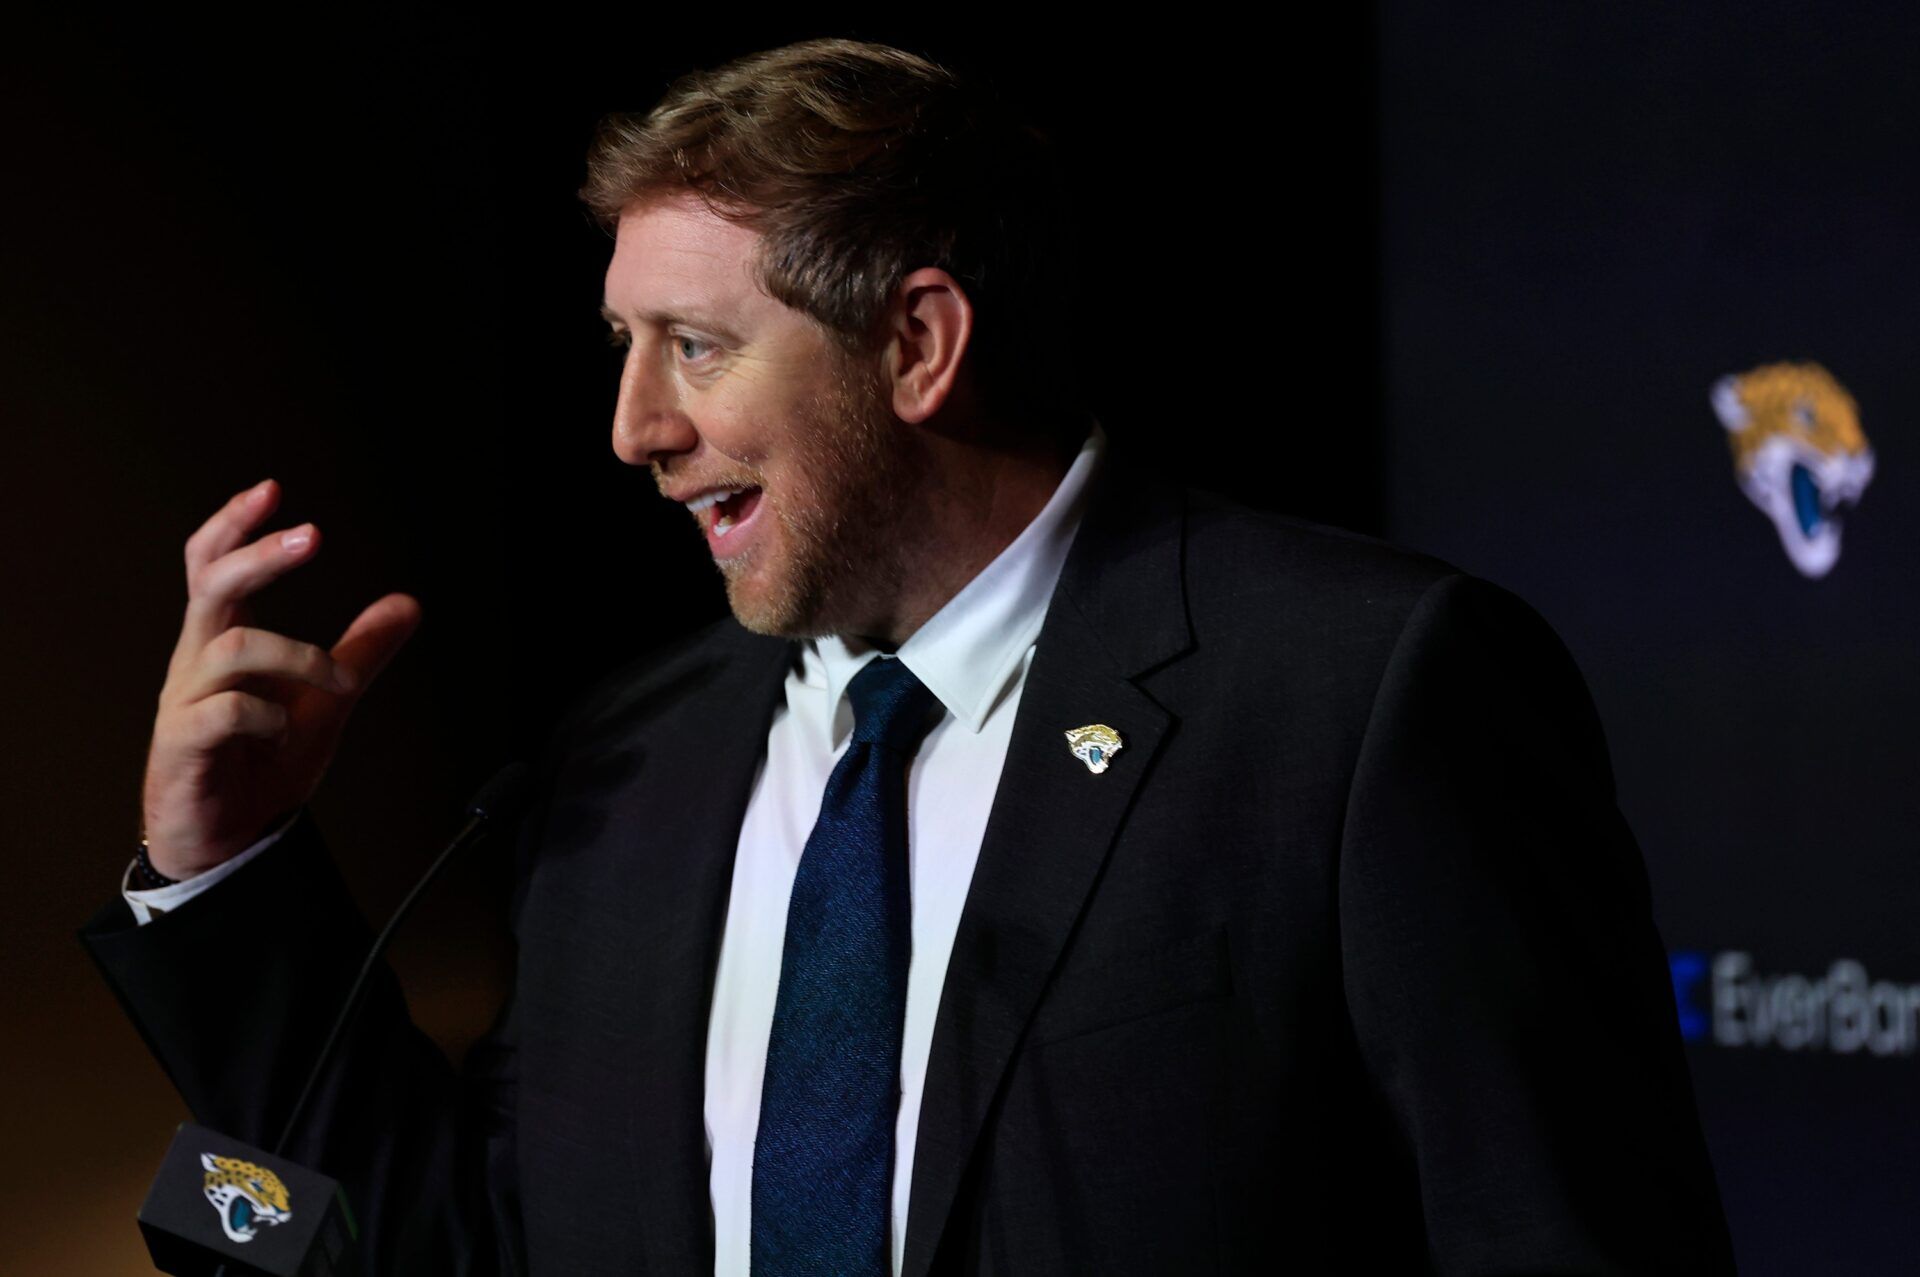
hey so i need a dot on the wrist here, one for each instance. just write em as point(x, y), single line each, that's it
point(163, 861)
point(145, 877)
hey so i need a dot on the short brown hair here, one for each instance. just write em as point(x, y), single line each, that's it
point(858, 163)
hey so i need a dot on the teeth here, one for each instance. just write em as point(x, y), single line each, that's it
point(700, 503)
point(723, 525)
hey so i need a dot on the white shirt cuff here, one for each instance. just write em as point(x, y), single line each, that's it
point(148, 905)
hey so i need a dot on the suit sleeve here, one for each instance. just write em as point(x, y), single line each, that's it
point(1508, 989)
point(234, 993)
point(154, 902)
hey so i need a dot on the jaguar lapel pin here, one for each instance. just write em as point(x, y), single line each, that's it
point(1095, 745)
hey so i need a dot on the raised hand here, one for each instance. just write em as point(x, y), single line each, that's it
point(248, 719)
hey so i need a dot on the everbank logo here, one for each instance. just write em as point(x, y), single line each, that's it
point(1723, 999)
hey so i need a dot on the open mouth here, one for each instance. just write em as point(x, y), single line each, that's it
point(731, 511)
point(1806, 500)
point(724, 515)
point(1813, 506)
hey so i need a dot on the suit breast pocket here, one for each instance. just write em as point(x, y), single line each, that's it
point(1102, 985)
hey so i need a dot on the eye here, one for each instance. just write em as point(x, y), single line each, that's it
point(683, 340)
point(618, 339)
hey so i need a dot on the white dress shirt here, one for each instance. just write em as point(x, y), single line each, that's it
point(150, 904)
point(972, 655)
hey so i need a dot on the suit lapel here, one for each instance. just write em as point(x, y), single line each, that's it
point(680, 821)
point(1119, 611)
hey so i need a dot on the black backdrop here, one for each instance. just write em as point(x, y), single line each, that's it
point(1462, 278)
point(1591, 214)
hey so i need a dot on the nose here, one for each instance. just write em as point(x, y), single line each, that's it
point(648, 424)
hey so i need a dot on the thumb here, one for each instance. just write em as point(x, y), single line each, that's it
point(376, 636)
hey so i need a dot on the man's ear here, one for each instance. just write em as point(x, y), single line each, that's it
point(928, 330)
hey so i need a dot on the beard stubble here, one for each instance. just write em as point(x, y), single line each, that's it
point(847, 519)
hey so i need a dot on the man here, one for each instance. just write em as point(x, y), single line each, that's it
point(1051, 870)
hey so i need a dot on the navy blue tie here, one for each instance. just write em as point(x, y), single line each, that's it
point(823, 1158)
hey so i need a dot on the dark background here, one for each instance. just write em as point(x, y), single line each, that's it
point(1457, 277)
point(1590, 214)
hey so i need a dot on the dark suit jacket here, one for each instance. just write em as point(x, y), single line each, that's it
point(1345, 963)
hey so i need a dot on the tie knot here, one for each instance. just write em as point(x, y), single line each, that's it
point(889, 705)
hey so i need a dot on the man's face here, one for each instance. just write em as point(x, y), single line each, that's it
point(786, 451)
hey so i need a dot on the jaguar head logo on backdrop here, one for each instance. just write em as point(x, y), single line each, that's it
point(1798, 454)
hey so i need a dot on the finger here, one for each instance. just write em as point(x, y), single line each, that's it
point(209, 723)
point(242, 651)
point(377, 635)
point(229, 580)
point(230, 524)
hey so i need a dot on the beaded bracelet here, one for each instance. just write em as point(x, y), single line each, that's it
point(145, 876)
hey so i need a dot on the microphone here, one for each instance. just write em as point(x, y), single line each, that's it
point(272, 1216)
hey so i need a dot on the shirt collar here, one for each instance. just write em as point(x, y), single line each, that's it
point(969, 652)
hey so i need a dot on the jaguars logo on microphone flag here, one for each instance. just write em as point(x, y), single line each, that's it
point(246, 1195)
